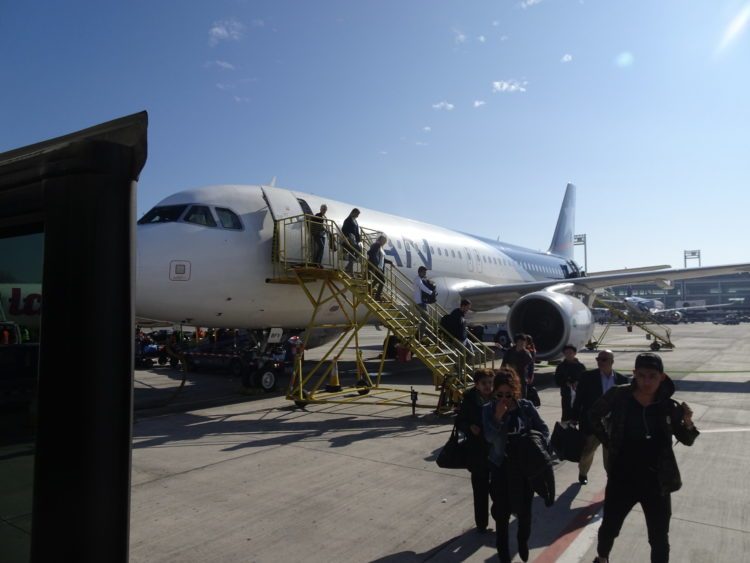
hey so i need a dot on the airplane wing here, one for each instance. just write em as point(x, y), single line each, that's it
point(630, 270)
point(490, 297)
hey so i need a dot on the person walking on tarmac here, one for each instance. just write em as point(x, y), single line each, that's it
point(469, 421)
point(505, 420)
point(567, 374)
point(519, 358)
point(593, 384)
point(641, 420)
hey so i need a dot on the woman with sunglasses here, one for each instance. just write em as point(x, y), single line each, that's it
point(505, 419)
point(469, 421)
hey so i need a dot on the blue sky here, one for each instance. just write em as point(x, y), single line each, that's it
point(471, 115)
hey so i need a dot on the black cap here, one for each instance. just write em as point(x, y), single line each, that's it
point(649, 360)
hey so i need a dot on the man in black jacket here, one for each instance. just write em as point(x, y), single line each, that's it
point(593, 384)
point(454, 322)
point(350, 229)
point(567, 375)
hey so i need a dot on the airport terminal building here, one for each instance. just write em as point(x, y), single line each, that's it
point(733, 289)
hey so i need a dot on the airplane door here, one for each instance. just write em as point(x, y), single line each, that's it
point(478, 260)
point(292, 234)
point(469, 261)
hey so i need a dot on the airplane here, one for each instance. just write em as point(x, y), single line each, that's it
point(204, 258)
point(653, 308)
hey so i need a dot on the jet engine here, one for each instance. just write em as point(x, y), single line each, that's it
point(553, 320)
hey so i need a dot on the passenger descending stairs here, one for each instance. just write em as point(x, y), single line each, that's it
point(451, 362)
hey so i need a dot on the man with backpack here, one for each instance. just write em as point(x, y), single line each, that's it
point(454, 322)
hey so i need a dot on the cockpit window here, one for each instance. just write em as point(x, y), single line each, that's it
point(200, 215)
point(228, 218)
point(163, 214)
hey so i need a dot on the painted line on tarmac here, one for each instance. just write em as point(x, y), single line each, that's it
point(578, 535)
point(718, 430)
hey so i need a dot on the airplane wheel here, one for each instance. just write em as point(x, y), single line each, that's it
point(655, 346)
point(162, 360)
point(365, 384)
point(266, 380)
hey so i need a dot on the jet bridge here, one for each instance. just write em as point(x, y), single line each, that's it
point(350, 289)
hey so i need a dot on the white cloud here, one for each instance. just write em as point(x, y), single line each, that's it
point(421, 144)
point(259, 23)
point(427, 128)
point(566, 58)
point(225, 30)
point(443, 105)
point(509, 86)
point(481, 39)
point(458, 37)
point(224, 86)
point(479, 103)
point(224, 65)
point(503, 38)
point(625, 59)
point(383, 152)
point(241, 99)
point(735, 27)
point(495, 23)
point(528, 3)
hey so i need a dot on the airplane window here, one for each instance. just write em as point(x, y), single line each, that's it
point(162, 214)
point(200, 215)
point(453, 253)
point(228, 219)
point(305, 207)
point(484, 258)
point(398, 243)
point(432, 249)
point(459, 255)
point(439, 253)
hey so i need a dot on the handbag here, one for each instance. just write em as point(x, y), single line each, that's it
point(454, 454)
point(568, 442)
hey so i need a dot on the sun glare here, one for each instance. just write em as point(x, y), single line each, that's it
point(735, 28)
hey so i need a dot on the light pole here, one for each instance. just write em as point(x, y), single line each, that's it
point(580, 240)
point(689, 255)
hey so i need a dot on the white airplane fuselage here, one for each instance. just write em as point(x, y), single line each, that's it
point(223, 279)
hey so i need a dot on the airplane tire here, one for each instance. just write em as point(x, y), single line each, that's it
point(162, 360)
point(655, 346)
point(265, 379)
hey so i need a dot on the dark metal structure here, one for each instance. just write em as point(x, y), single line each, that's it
point(79, 190)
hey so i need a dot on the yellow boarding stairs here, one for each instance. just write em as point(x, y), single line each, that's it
point(343, 281)
point(659, 335)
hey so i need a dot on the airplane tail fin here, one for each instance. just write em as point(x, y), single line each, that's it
point(562, 240)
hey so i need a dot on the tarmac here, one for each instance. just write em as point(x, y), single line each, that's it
point(221, 476)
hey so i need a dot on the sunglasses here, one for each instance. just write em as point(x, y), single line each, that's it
point(504, 395)
point(604, 359)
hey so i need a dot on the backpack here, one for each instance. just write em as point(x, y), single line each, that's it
point(429, 297)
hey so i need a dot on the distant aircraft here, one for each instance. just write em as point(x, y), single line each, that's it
point(655, 309)
point(204, 258)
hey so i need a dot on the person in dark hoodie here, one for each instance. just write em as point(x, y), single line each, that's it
point(505, 419)
point(567, 374)
point(641, 419)
point(469, 421)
